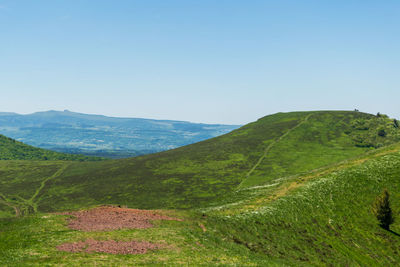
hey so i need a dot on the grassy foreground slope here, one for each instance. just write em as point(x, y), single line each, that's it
point(320, 218)
point(11, 149)
point(275, 146)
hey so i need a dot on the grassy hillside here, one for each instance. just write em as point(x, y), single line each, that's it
point(11, 149)
point(273, 147)
point(320, 218)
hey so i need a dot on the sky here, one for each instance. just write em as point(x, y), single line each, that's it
point(220, 61)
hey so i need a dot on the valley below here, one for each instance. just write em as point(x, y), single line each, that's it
point(109, 137)
point(290, 189)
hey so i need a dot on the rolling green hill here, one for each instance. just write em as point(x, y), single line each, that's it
point(275, 146)
point(320, 218)
point(11, 149)
point(315, 211)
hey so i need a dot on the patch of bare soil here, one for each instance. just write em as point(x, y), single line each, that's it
point(108, 246)
point(113, 218)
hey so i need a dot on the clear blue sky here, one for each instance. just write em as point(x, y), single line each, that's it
point(204, 61)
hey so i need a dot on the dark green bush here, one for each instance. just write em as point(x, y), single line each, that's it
point(382, 132)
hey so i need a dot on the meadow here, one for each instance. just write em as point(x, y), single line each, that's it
point(290, 189)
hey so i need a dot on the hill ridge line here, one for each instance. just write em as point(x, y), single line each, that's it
point(270, 146)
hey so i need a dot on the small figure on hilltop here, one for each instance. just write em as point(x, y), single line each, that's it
point(382, 211)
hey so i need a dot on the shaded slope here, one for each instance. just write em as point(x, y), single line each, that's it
point(11, 149)
point(194, 175)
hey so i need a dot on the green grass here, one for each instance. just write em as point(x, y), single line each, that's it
point(325, 220)
point(32, 241)
point(290, 189)
point(195, 175)
point(24, 199)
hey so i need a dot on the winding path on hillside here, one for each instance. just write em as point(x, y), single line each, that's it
point(22, 205)
point(8, 203)
point(270, 146)
point(43, 183)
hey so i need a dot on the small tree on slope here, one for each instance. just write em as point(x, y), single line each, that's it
point(396, 123)
point(382, 211)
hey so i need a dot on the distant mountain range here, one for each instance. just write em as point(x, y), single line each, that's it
point(98, 135)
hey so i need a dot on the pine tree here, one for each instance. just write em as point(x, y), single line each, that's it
point(396, 123)
point(382, 211)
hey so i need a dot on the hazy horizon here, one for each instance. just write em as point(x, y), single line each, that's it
point(95, 114)
point(166, 119)
point(226, 62)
